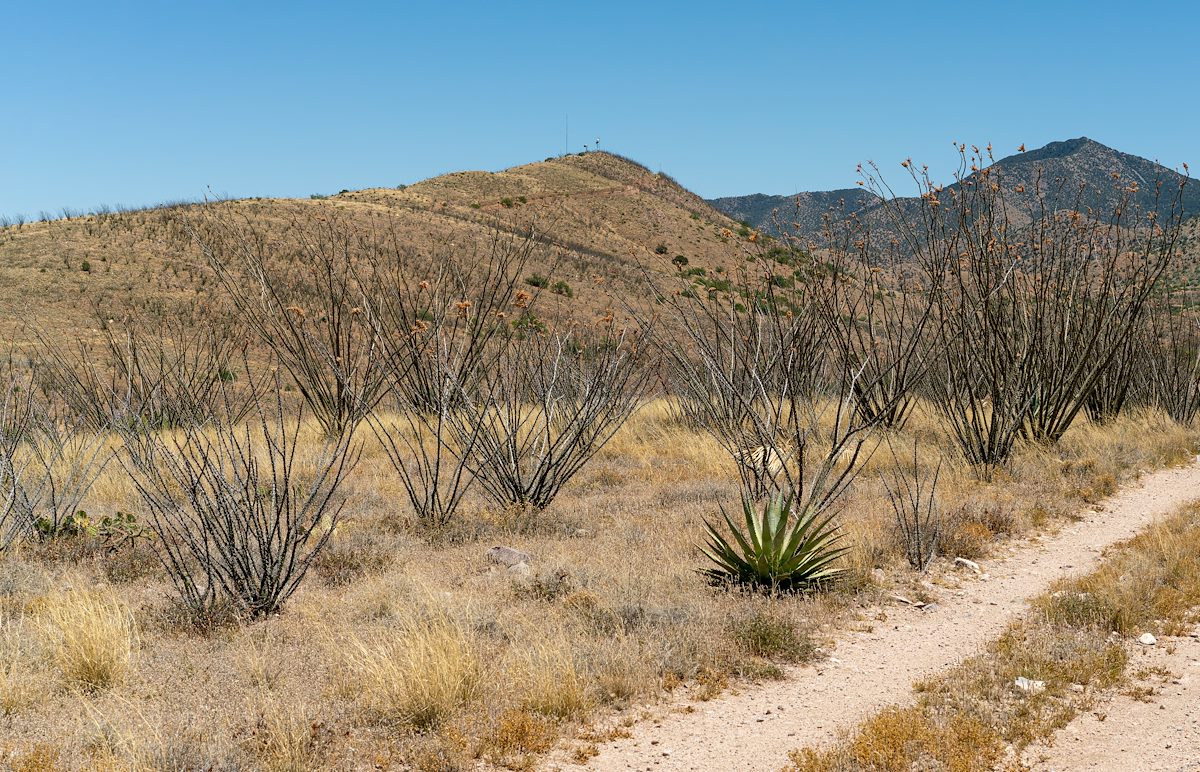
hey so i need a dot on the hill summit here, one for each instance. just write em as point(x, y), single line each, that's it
point(604, 223)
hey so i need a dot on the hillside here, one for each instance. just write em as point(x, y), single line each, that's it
point(801, 212)
point(609, 223)
point(1103, 171)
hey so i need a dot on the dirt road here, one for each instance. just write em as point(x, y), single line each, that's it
point(755, 729)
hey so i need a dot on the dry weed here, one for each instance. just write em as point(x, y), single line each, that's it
point(284, 737)
point(418, 676)
point(92, 637)
point(518, 739)
point(552, 685)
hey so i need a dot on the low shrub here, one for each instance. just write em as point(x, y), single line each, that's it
point(92, 636)
point(773, 636)
point(417, 677)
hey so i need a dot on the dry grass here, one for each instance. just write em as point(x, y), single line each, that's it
point(906, 738)
point(551, 684)
point(518, 739)
point(418, 677)
point(965, 718)
point(407, 648)
point(91, 636)
point(284, 737)
point(21, 683)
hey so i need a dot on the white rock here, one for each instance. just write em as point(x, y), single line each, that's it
point(1029, 686)
point(968, 564)
point(520, 569)
point(507, 556)
point(1147, 639)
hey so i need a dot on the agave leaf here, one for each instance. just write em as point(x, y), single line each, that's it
point(747, 549)
point(719, 551)
point(774, 549)
point(777, 512)
point(721, 554)
point(754, 529)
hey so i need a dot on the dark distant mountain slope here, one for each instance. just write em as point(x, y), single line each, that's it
point(1105, 175)
point(803, 209)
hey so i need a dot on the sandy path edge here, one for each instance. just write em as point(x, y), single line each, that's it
point(1158, 733)
point(754, 729)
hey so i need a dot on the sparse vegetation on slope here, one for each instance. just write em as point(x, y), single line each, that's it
point(515, 551)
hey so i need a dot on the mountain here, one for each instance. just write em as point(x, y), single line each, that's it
point(1104, 172)
point(609, 224)
point(802, 211)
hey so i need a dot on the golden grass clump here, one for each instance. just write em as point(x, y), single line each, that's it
point(419, 676)
point(92, 637)
point(21, 683)
point(552, 684)
point(517, 739)
point(902, 739)
point(284, 738)
point(41, 757)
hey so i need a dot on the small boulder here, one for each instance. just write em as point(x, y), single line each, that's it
point(1028, 685)
point(970, 565)
point(507, 556)
point(521, 569)
point(1147, 639)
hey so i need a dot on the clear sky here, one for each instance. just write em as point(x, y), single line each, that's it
point(139, 102)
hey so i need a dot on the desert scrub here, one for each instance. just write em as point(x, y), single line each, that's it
point(553, 686)
point(284, 737)
point(518, 739)
point(92, 637)
point(417, 676)
point(773, 635)
point(900, 738)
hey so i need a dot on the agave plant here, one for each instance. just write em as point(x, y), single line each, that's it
point(777, 549)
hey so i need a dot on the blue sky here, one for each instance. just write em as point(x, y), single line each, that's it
point(134, 103)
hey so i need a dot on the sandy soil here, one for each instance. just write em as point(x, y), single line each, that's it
point(754, 729)
point(1157, 732)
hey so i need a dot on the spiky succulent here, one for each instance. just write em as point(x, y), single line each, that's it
point(776, 549)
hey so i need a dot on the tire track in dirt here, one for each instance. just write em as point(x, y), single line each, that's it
point(754, 730)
